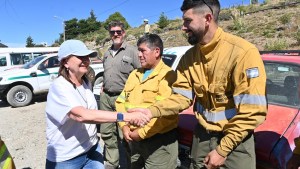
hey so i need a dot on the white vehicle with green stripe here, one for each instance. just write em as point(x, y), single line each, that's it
point(18, 86)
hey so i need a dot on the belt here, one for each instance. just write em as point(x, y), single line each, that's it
point(111, 93)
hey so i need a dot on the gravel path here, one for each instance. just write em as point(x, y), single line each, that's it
point(23, 130)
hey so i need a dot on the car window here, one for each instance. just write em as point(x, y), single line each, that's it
point(33, 62)
point(3, 61)
point(282, 83)
point(51, 62)
point(169, 59)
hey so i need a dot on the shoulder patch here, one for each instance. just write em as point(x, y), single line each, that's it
point(252, 72)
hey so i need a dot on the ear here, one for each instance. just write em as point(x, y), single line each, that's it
point(157, 52)
point(209, 18)
point(66, 65)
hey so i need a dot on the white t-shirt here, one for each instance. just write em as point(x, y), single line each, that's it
point(68, 138)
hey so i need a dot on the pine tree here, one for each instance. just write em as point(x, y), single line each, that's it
point(29, 42)
point(163, 21)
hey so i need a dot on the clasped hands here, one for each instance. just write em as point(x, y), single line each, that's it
point(140, 116)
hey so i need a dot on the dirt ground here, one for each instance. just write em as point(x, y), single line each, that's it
point(23, 130)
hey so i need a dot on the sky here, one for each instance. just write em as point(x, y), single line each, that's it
point(36, 18)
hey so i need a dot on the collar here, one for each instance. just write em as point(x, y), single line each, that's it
point(140, 72)
point(123, 46)
point(208, 48)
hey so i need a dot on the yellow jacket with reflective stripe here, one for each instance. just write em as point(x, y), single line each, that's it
point(6, 161)
point(138, 93)
point(227, 78)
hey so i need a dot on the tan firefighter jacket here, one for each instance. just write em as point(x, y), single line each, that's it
point(143, 93)
point(228, 80)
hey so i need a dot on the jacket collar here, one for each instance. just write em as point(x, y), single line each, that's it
point(140, 72)
point(208, 48)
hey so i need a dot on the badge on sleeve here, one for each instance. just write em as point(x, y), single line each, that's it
point(252, 72)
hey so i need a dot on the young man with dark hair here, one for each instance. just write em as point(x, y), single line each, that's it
point(225, 75)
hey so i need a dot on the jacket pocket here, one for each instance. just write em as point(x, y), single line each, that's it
point(149, 93)
point(218, 93)
point(126, 64)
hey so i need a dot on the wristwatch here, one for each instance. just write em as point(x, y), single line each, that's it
point(120, 117)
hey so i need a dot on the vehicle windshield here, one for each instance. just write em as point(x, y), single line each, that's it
point(169, 59)
point(282, 83)
point(33, 62)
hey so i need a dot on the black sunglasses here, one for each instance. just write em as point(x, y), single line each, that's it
point(119, 32)
point(204, 1)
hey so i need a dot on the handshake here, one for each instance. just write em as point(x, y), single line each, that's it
point(138, 116)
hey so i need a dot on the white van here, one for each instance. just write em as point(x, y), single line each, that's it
point(15, 57)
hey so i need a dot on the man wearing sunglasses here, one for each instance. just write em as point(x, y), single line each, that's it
point(119, 60)
point(225, 76)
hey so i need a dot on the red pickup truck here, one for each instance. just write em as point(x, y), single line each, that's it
point(274, 139)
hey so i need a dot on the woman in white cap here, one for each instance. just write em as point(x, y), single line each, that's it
point(71, 113)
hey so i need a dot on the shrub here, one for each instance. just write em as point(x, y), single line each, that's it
point(285, 19)
point(280, 44)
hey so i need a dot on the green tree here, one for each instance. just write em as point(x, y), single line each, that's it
point(117, 16)
point(92, 22)
point(163, 21)
point(29, 42)
point(71, 29)
point(83, 26)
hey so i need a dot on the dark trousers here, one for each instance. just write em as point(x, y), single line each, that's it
point(243, 156)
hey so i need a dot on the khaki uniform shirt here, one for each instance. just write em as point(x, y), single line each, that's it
point(227, 79)
point(118, 67)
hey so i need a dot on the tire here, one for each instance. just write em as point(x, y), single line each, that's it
point(19, 96)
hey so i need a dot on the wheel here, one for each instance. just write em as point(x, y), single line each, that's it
point(19, 96)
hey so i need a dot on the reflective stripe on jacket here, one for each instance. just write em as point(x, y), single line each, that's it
point(139, 93)
point(228, 79)
point(6, 161)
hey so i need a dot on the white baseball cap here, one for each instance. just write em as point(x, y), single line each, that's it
point(74, 47)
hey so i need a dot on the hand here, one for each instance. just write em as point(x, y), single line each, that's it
point(126, 133)
point(146, 112)
point(136, 118)
point(294, 162)
point(135, 135)
point(214, 160)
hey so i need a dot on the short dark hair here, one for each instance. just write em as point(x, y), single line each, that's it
point(116, 23)
point(152, 41)
point(213, 5)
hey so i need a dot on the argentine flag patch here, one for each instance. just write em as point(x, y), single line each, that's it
point(252, 72)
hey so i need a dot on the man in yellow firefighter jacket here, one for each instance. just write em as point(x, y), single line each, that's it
point(154, 145)
point(226, 76)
